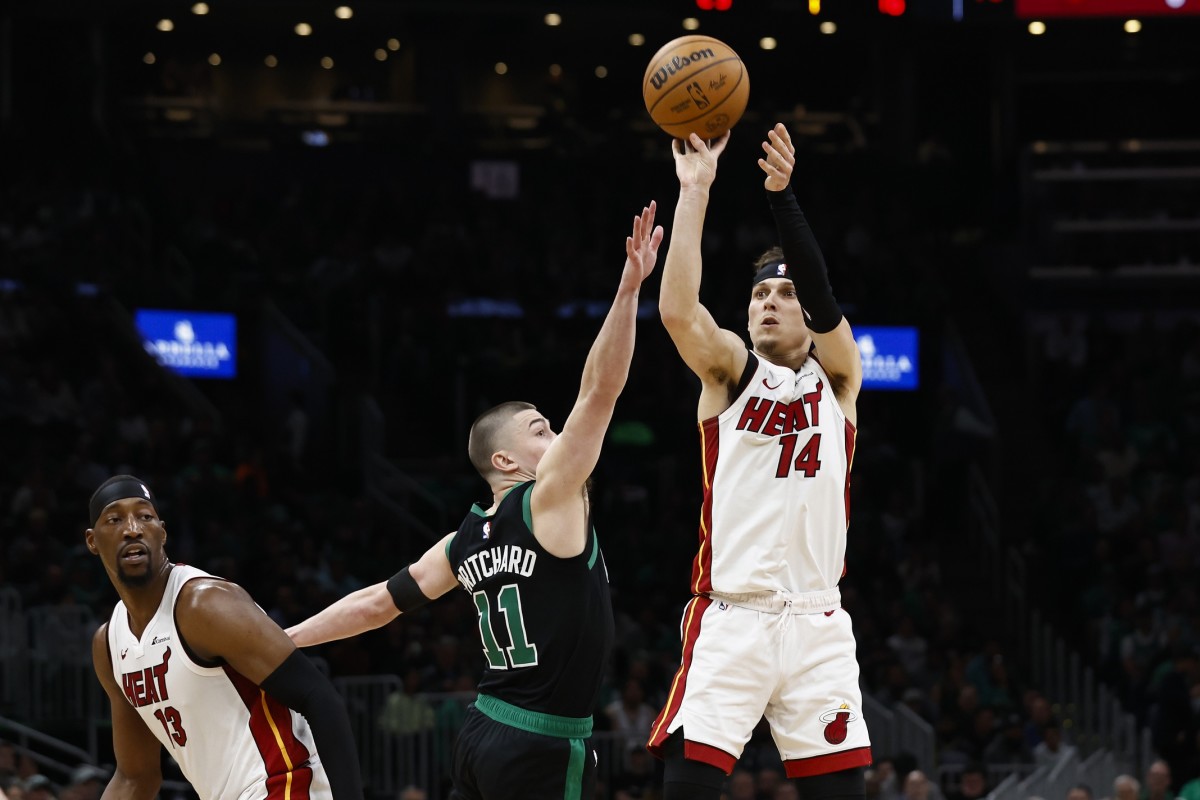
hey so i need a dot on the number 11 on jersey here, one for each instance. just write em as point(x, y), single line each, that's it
point(521, 653)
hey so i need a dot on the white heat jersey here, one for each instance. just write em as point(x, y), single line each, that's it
point(231, 739)
point(776, 486)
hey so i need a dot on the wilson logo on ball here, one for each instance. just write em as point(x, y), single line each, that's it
point(677, 63)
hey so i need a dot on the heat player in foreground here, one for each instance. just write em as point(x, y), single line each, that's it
point(192, 664)
point(765, 634)
point(533, 566)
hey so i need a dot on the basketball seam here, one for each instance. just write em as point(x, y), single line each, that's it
point(703, 67)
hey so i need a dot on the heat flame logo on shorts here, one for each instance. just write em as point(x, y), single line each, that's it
point(836, 722)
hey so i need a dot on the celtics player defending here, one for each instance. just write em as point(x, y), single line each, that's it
point(765, 634)
point(533, 566)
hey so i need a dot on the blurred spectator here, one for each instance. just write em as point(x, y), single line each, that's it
point(405, 711)
point(880, 779)
point(741, 785)
point(87, 783)
point(785, 791)
point(1158, 782)
point(1051, 749)
point(1008, 746)
point(972, 783)
point(639, 779)
point(1125, 787)
point(910, 647)
point(39, 787)
point(917, 786)
point(630, 715)
point(1080, 791)
point(768, 781)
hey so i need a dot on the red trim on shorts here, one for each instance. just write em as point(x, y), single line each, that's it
point(710, 440)
point(830, 762)
point(691, 632)
point(282, 753)
point(706, 753)
point(850, 439)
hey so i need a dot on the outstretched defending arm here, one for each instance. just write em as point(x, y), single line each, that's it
point(806, 265)
point(429, 577)
point(571, 458)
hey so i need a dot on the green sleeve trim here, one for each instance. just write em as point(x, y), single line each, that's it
point(477, 511)
point(595, 549)
point(525, 512)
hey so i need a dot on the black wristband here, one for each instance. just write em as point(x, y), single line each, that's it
point(405, 593)
point(299, 685)
point(805, 263)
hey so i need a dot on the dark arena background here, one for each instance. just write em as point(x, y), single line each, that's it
point(274, 257)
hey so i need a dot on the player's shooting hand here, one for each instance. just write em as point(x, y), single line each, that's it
point(696, 160)
point(641, 248)
point(779, 158)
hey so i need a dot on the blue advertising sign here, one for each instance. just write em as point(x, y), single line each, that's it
point(889, 357)
point(198, 344)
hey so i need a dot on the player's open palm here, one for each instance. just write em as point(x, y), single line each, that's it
point(696, 160)
point(779, 158)
point(641, 248)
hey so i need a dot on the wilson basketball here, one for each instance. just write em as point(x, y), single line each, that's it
point(696, 84)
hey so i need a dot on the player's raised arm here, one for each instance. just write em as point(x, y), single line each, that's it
point(831, 332)
point(572, 456)
point(373, 607)
point(139, 772)
point(218, 620)
point(717, 356)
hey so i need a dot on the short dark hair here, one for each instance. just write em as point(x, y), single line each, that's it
point(772, 256)
point(484, 439)
point(1083, 787)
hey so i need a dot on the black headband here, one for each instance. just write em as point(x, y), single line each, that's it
point(775, 269)
point(122, 488)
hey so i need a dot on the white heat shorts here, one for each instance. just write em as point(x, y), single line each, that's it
point(790, 658)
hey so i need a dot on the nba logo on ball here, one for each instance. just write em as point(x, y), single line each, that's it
point(695, 84)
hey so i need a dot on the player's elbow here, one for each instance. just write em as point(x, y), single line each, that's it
point(676, 316)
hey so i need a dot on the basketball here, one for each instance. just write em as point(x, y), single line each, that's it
point(696, 84)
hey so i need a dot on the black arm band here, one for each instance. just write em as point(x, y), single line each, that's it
point(301, 687)
point(405, 593)
point(806, 264)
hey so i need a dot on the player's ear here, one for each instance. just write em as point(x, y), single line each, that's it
point(502, 463)
point(89, 539)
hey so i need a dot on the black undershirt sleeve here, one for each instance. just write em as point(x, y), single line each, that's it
point(806, 264)
point(301, 687)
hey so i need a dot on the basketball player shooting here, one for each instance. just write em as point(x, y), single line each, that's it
point(191, 664)
point(765, 633)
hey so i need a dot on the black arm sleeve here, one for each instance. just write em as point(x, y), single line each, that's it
point(405, 592)
point(297, 684)
point(806, 264)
